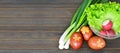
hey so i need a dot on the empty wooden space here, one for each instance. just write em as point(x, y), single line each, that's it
point(34, 26)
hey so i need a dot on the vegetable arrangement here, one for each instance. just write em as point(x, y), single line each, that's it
point(98, 16)
point(108, 15)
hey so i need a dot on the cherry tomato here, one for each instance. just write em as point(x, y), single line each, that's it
point(96, 43)
point(86, 32)
point(76, 40)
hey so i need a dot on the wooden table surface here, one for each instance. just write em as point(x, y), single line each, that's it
point(34, 26)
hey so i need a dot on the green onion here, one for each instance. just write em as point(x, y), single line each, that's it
point(75, 28)
point(79, 19)
point(75, 15)
point(67, 44)
point(61, 40)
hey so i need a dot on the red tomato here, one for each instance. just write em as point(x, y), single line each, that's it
point(86, 32)
point(96, 43)
point(76, 40)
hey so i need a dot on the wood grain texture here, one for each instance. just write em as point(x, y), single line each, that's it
point(34, 26)
point(40, 1)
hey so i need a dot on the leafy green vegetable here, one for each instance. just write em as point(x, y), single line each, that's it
point(97, 13)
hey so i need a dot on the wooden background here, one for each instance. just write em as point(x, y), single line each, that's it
point(34, 26)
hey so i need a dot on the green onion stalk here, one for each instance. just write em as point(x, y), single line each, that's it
point(75, 23)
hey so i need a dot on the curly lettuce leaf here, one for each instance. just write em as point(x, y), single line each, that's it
point(97, 13)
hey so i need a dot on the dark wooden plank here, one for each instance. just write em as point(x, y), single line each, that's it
point(39, 5)
point(28, 44)
point(35, 18)
point(23, 15)
point(29, 34)
point(8, 19)
point(35, 27)
point(59, 51)
point(39, 1)
point(32, 23)
point(43, 51)
point(35, 12)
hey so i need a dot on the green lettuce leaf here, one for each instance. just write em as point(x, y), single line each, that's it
point(97, 13)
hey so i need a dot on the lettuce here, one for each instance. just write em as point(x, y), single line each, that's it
point(97, 13)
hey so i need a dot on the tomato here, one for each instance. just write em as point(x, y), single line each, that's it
point(86, 32)
point(96, 43)
point(76, 40)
